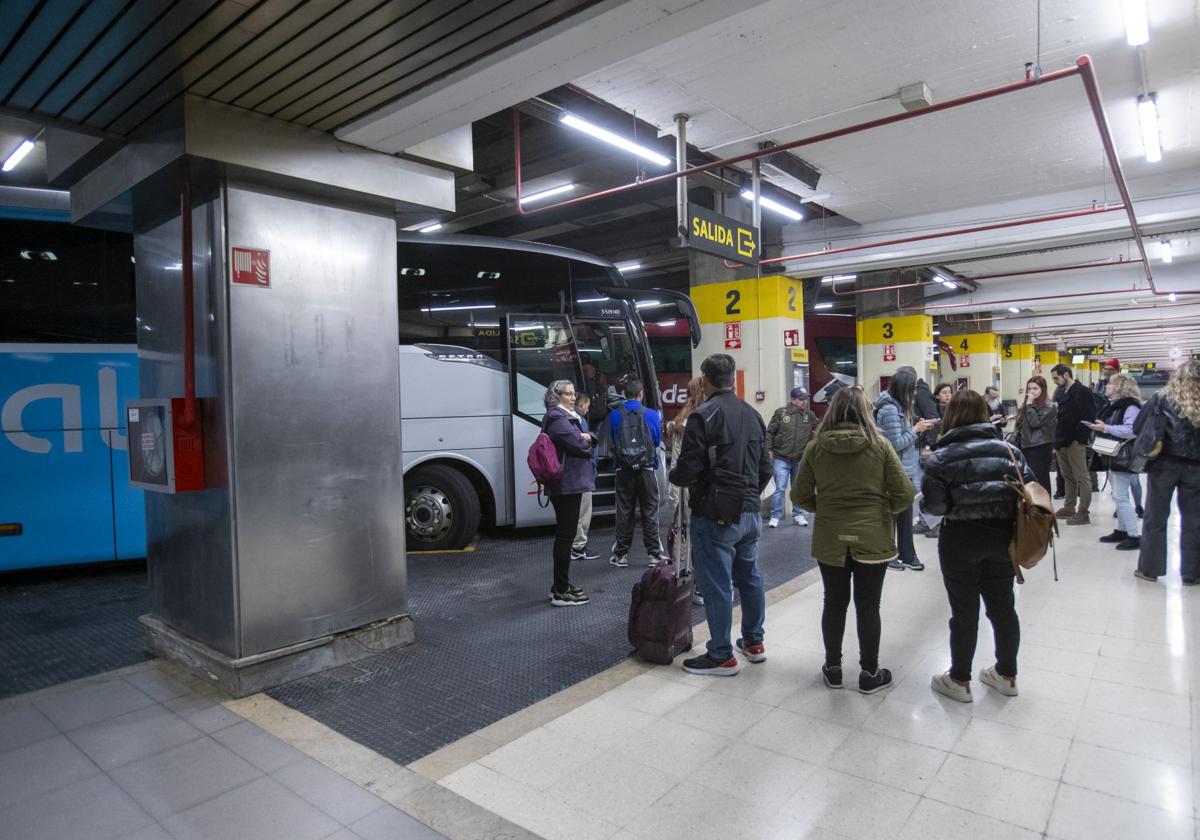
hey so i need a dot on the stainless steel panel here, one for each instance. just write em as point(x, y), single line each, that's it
point(190, 550)
point(316, 408)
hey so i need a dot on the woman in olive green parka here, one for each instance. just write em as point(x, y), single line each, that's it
point(852, 479)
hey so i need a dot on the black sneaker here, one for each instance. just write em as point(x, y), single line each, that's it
point(1114, 537)
point(655, 559)
point(916, 566)
point(709, 667)
point(1129, 544)
point(832, 674)
point(584, 554)
point(1139, 510)
point(870, 683)
point(896, 565)
point(921, 528)
point(619, 560)
point(571, 598)
point(756, 652)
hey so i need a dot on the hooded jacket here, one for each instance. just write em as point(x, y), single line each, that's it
point(965, 477)
point(563, 428)
point(892, 425)
point(856, 488)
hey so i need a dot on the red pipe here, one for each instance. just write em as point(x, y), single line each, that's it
point(1088, 76)
point(1074, 267)
point(1032, 220)
point(189, 327)
point(968, 99)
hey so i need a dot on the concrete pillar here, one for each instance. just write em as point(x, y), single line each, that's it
point(291, 559)
point(1016, 366)
point(978, 360)
point(887, 343)
point(759, 321)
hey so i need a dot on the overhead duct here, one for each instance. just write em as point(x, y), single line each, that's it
point(786, 164)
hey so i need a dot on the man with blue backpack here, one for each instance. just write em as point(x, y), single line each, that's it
point(636, 435)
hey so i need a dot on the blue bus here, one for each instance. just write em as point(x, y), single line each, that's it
point(68, 364)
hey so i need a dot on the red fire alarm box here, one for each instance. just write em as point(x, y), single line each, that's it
point(164, 456)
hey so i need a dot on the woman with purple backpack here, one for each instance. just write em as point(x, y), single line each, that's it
point(574, 448)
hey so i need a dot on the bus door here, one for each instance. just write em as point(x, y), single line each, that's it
point(541, 350)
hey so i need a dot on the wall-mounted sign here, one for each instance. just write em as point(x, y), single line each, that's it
point(733, 336)
point(720, 235)
point(799, 354)
point(251, 267)
point(1086, 350)
point(791, 338)
point(964, 360)
point(889, 352)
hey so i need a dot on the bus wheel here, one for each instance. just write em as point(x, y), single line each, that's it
point(441, 509)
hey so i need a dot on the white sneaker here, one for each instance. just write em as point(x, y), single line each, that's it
point(799, 519)
point(1005, 685)
point(943, 684)
point(774, 522)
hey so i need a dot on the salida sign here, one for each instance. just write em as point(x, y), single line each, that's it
point(716, 234)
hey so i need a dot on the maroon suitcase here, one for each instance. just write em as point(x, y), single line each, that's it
point(660, 611)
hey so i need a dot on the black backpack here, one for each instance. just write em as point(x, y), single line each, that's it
point(635, 447)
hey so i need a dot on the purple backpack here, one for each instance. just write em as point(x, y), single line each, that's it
point(543, 459)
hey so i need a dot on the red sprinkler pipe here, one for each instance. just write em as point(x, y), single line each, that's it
point(1074, 267)
point(941, 234)
point(189, 327)
point(968, 99)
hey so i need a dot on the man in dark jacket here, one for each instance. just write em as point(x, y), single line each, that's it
point(725, 464)
point(1071, 438)
point(789, 431)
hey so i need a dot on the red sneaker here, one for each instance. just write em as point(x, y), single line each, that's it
point(755, 653)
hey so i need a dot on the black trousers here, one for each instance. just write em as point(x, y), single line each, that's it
point(566, 521)
point(904, 536)
point(975, 564)
point(636, 490)
point(1038, 459)
point(867, 581)
point(1165, 476)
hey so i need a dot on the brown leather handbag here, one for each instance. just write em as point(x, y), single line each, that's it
point(1035, 527)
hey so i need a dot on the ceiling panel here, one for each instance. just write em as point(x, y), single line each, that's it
point(111, 65)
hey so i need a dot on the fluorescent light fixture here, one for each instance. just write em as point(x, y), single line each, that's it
point(822, 306)
point(627, 267)
point(772, 204)
point(544, 194)
point(1137, 25)
point(430, 228)
point(1148, 119)
point(647, 304)
point(937, 332)
point(1014, 310)
point(1171, 297)
point(949, 284)
point(459, 308)
point(1164, 250)
point(670, 323)
point(592, 300)
point(838, 278)
point(18, 155)
point(613, 139)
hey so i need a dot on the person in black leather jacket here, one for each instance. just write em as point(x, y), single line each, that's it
point(1175, 414)
point(965, 483)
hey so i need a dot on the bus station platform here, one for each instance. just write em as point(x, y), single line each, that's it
point(530, 721)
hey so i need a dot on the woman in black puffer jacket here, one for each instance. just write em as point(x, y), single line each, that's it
point(965, 483)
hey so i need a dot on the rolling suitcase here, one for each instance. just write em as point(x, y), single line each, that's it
point(660, 611)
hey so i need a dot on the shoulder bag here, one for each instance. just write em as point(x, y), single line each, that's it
point(1035, 526)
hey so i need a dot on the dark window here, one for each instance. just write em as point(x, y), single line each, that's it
point(63, 283)
point(840, 355)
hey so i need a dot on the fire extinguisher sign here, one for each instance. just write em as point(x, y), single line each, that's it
point(889, 352)
point(251, 267)
point(733, 335)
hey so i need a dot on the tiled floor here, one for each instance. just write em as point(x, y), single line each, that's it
point(1101, 743)
point(141, 755)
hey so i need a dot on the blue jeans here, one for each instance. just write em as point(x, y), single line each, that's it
point(1122, 487)
point(784, 470)
point(1136, 486)
point(726, 557)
